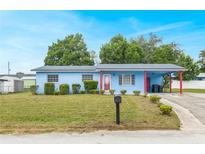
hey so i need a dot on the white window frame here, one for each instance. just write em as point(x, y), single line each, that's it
point(53, 81)
point(87, 74)
point(130, 75)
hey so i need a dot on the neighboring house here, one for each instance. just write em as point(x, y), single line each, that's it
point(200, 77)
point(11, 84)
point(197, 83)
point(28, 81)
point(143, 77)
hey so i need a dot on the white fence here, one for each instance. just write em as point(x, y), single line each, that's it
point(194, 84)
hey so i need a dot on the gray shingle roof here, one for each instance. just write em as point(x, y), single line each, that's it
point(65, 69)
point(3, 80)
point(111, 67)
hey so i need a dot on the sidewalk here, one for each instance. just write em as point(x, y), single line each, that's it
point(109, 137)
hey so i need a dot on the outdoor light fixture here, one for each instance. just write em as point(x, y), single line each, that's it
point(117, 100)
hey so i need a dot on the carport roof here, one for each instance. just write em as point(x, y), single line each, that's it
point(140, 67)
point(112, 67)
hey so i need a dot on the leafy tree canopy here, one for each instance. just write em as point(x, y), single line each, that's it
point(120, 51)
point(71, 50)
point(202, 60)
point(151, 50)
point(166, 54)
point(191, 66)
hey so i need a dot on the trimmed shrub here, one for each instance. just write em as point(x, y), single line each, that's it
point(102, 92)
point(165, 109)
point(33, 89)
point(90, 85)
point(93, 91)
point(154, 98)
point(123, 92)
point(136, 92)
point(64, 89)
point(82, 92)
point(112, 92)
point(76, 88)
point(49, 88)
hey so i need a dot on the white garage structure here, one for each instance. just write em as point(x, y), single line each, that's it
point(12, 84)
point(2, 85)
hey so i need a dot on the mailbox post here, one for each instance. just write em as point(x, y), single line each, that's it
point(117, 100)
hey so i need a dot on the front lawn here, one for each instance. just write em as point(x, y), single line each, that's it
point(190, 90)
point(25, 113)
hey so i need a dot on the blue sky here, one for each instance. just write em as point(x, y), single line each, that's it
point(25, 35)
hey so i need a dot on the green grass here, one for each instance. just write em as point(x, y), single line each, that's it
point(25, 113)
point(191, 90)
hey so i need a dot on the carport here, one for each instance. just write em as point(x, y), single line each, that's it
point(152, 78)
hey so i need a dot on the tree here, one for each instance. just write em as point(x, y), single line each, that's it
point(71, 50)
point(152, 50)
point(148, 46)
point(114, 51)
point(166, 54)
point(120, 51)
point(192, 67)
point(202, 60)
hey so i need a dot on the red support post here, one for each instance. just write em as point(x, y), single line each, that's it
point(145, 82)
point(170, 83)
point(180, 74)
point(100, 80)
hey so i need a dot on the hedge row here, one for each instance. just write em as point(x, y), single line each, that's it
point(89, 85)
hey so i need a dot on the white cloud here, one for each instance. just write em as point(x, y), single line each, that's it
point(162, 28)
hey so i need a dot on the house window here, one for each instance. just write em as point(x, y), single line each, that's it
point(128, 79)
point(133, 79)
point(52, 78)
point(87, 77)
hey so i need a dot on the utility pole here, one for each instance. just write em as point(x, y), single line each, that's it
point(9, 68)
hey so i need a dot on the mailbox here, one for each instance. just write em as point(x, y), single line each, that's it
point(117, 100)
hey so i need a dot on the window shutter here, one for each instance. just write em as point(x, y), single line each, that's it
point(133, 79)
point(120, 79)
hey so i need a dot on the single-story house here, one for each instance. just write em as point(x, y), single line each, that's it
point(144, 77)
point(11, 84)
point(28, 79)
point(200, 77)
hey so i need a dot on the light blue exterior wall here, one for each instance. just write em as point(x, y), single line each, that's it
point(64, 78)
point(72, 78)
point(139, 82)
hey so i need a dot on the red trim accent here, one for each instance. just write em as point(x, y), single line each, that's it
point(145, 82)
point(180, 82)
point(170, 83)
point(101, 80)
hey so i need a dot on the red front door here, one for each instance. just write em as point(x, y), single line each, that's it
point(107, 79)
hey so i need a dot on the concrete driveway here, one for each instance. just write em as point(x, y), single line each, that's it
point(195, 103)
